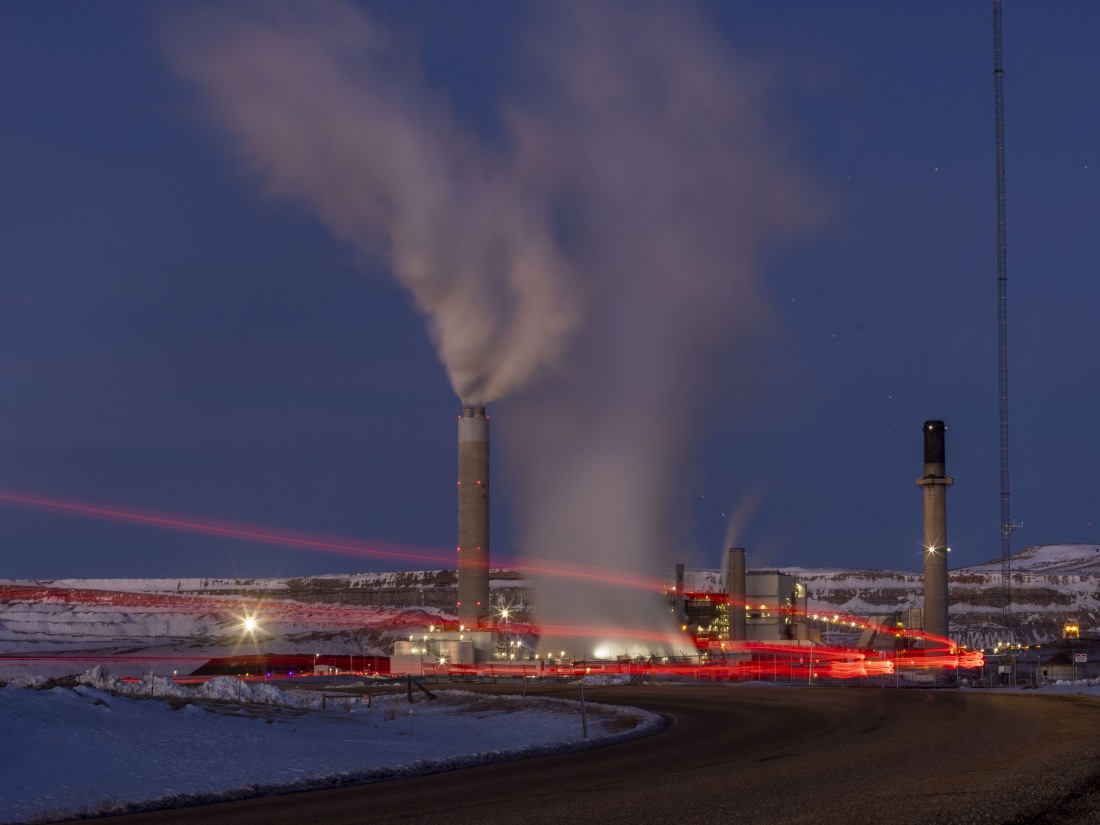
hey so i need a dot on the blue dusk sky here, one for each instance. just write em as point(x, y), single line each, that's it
point(208, 279)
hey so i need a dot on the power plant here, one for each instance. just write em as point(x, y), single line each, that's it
point(762, 607)
point(770, 607)
point(935, 482)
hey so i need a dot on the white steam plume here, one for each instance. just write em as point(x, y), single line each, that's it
point(676, 184)
point(601, 270)
point(320, 105)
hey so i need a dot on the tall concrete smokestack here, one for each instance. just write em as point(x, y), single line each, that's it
point(473, 516)
point(736, 587)
point(935, 483)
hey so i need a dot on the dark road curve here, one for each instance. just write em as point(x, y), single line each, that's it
point(744, 754)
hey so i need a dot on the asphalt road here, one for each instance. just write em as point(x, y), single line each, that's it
point(738, 755)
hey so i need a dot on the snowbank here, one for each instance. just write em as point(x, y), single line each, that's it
point(105, 747)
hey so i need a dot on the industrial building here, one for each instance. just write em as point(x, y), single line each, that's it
point(423, 652)
point(754, 606)
point(757, 607)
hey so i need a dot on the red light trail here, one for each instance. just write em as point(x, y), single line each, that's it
point(244, 532)
point(840, 620)
point(229, 605)
point(939, 653)
point(306, 541)
point(734, 661)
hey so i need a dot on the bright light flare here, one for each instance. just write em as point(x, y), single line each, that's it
point(249, 626)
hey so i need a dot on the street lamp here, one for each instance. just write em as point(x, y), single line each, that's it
point(249, 625)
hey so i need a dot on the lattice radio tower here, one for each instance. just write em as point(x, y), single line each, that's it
point(1007, 526)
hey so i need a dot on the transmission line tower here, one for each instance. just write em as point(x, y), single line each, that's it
point(1002, 317)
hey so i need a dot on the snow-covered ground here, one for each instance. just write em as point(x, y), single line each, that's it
point(104, 746)
point(71, 751)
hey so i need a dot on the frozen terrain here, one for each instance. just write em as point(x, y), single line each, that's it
point(72, 751)
point(192, 620)
point(64, 626)
point(1051, 584)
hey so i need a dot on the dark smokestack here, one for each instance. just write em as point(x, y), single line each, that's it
point(934, 444)
point(935, 482)
point(473, 516)
point(736, 587)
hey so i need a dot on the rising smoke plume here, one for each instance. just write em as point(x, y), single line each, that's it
point(599, 267)
point(321, 105)
point(677, 184)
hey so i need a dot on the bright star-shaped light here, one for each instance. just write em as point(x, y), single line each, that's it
point(249, 625)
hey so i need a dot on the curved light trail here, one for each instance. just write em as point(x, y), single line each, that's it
point(307, 541)
point(833, 662)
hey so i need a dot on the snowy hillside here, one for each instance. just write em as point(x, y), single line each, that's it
point(1083, 559)
point(424, 588)
point(177, 624)
point(364, 613)
point(1051, 585)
